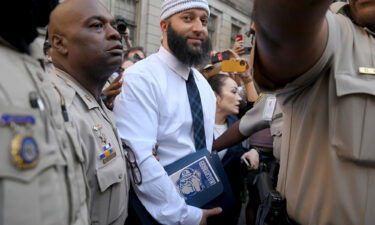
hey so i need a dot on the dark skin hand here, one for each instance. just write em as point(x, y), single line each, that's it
point(112, 91)
point(230, 137)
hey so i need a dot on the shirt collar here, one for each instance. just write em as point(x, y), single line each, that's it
point(86, 96)
point(173, 63)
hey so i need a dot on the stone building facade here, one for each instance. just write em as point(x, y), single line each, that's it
point(228, 18)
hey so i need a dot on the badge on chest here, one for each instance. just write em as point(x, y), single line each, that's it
point(24, 148)
point(108, 153)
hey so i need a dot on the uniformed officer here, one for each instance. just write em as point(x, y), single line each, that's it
point(86, 50)
point(324, 63)
point(42, 177)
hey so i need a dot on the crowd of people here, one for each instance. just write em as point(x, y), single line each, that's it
point(96, 132)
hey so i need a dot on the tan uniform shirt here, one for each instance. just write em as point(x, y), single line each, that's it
point(107, 174)
point(266, 112)
point(42, 183)
point(328, 150)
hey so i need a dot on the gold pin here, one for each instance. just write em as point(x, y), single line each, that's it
point(24, 151)
point(367, 70)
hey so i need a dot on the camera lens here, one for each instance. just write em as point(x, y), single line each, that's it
point(121, 24)
point(121, 28)
point(242, 63)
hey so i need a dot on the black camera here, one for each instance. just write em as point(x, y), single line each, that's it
point(121, 24)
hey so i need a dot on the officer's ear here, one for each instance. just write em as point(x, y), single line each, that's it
point(58, 42)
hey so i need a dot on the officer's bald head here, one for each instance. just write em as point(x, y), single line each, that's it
point(71, 14)
point(84, 41)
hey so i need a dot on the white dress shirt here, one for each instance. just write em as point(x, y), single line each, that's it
point(153, 107)
point(219, 129)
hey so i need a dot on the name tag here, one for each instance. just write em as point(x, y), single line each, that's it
point(269, 108)
point(367, 70)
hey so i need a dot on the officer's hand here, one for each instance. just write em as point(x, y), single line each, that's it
point(209, 212)
point(251, 158)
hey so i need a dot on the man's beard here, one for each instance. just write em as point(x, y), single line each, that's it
point(181, 50)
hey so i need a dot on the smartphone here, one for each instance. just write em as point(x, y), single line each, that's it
point(239, 37)
point(247, 50)
point(236, 65)
point(220, 56)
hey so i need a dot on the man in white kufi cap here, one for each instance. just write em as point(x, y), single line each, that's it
point(154, 107)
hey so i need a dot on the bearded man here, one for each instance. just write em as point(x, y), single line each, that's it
point(154, 108)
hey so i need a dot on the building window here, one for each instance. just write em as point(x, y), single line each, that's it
point(234, 31)
point(212, 27)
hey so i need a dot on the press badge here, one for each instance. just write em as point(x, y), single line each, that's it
point(269, 108)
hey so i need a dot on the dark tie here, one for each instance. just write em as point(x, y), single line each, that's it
point(196, 112)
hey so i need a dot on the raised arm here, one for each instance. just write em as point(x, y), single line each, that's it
point(230, 137)
point(290, 38)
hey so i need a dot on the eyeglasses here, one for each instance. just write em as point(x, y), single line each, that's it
point(132, 162)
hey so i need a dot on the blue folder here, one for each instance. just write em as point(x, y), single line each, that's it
point(214, 191)
point(201, 180)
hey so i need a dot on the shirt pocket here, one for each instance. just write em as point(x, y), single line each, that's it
point(111, 173)
point(111, 179)
point(352, 120)
point(40, 190)
point(108, 170)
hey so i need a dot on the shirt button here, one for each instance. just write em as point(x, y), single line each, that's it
point(65, 143)
point(120, 177)
point(40, 76)
point(88, 97)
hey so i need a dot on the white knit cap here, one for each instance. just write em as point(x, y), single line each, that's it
point(171, 7)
